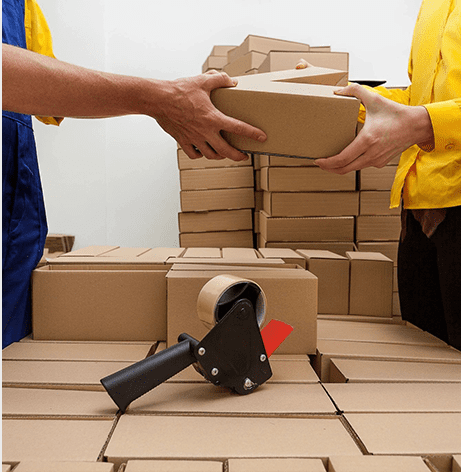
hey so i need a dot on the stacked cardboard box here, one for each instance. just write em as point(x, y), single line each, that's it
point(217, 58)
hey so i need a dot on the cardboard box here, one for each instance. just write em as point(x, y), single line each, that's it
point(264, 45)
point(53, 440)
point(223, 199)
point(6, 468)
point(370, 284)
point(299, 116)
point(239, 254)
point(214, 62)
point(237, 438)
point(90, 303)
point(456, 463)
point(331, 349)
point(202, 253)
point(306, 229)
point(243, 64)
point(287, 255)
point(291, 297)
point(220, 220)
point(214, 179)
point(280, 161)
point(378, 228)
point(372, 178)
point(217, 239)
point(275, 465)
point(408, 433)
point(304, 179)
point(284, 60)
point(376, 202)
point(338, 247)
point(185, 162)
point(332, 270)
point(221, 50)
point(64, 466)
point(173, 466)
point(377, 464)
point(354, 370)
point(311, 203)
point(388, 248)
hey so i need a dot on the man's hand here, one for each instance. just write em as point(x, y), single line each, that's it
point(190, 117)
point(390, 128)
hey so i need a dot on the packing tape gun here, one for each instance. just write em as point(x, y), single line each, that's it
point(234, 354)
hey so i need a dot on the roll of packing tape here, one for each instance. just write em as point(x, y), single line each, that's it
point(219, 293)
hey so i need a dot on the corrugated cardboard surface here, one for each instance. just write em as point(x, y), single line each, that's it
point(239, 254)
point(283, 161)
point(339, 247)
point(377, 464)
point(217, 239)
point(372, 178)
point(223, 199)
point(173, 466)
point(288, 255)
point(377, 203)
point(213, 179)
point(221, 220)
point(388, 248)
point(275, 465)
point(185, 162)
point(245, 63)
point(64, 466)
point(378, 228)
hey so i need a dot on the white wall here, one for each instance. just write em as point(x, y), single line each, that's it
point(115, 181)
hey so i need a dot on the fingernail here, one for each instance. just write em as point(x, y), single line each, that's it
point(234, 82)
point(262, 138)
point(300, 66)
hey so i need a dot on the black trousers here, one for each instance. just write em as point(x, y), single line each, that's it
point(429, 277)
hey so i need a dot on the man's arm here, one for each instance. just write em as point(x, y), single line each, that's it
point(38, 85)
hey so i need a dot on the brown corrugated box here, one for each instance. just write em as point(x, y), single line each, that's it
point(217, 239)
point(279, 161)
point(376, 202)
point(338, 247)
point(378, 228)
point(377, 464)
point(219, 220)
point(373, 178)
point(64, 466)
point(287, 255)
point(222, 199)
point(243, 64)
point(388, 248)
point(173, 466)
point(214, 179)
point(185, 162)
point(276, 465)
point(214, 62)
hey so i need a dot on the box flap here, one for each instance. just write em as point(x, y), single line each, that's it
point(377, 464)
point(318, 254)
point(237, 253)
point(367, 256)
point(173, 466)
point(91, 251)
point(275, 465)
point(64, 466)
point(202, 252)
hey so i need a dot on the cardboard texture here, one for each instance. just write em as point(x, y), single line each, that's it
point(306, 229)
point(287, 255)
point(223, 199)
point(64, 466)
point(304, 179)
point(332, 271)
point(396, 397)
point(217, 239)
point(388, 248)
point(311, 203)
point(291, 297)
point(202, 253)
point(239, 254)
point(6, 468)
point(331, 349)
point(221, 220)
point(283, 161)
point(206, 399)
point(173, 466)
point(55, 374)
point(85, 303)
point(338, 247)
point(376, 203)
point(214, 179)
point(371, 278)
point(47, 403)
point(456, 463)
point(275, 465)
point(48, 351)
point(377, 464)
point(53, 440)
point(354, 370)
point(408, 433)
point(378, 228)
point(300, 117)
point(214, 62)
point(221, 50)
point(284, 60)
point(243, 64)
point(237, 438)
point(373, 178)
point(185, 162)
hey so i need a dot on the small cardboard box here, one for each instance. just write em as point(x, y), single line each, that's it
point(214, 179)
point(291, 297)
point(219, 220)
point(287, 255)
point(378, 228)
point(338, 247)
point(279, 161)
point(243, 64)
point(377, 464)
point(299, 116)
point(354, 370)
point(173, 466)
point(376, 202)
point(64, 466)
point(371, 278)
point(372, 178)
point(221, 50)
point(311, 203)
point(223, 199)
point(275, 465)
point(304, 179)
point(388, 248)
point(217, 239)
point(185, 162)
point(214, 62)
point(306, 229)
point(332, 270)
point(239, 254)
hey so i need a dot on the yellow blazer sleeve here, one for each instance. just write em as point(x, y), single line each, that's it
point(446, 123)
point(38, 39)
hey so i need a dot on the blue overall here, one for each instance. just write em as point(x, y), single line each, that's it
point(24, 221)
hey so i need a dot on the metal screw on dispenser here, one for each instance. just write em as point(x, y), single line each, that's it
point(201, 351)
point(262, 357)
point(248, 384)
point(214, 371)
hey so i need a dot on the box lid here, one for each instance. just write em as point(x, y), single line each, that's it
point(64, 466)
point(173, 466)
point(275, 465)
point(318, 254)
point(377, 464)
point(202, 252)
point(367, 256)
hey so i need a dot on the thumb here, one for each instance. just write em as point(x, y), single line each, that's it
point(357, 91)
point(303, 64)
point(215, 79)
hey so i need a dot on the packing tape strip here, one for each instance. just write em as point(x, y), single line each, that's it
point(223, 287)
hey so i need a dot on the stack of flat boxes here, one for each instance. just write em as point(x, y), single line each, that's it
point(217, 202)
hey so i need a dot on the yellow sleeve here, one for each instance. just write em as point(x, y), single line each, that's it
point(446, 123)
point(38, 39)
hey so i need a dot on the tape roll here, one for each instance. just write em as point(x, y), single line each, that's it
point(223, 289)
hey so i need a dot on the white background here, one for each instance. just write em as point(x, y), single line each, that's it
point(115, 181)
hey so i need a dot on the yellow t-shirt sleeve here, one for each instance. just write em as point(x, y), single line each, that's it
point(38, 39)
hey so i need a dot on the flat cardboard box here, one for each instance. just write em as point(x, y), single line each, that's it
point(221, 438)
point(304, 179)
point(311, 203)
point(408, 433)
point(370, 284)
point(280, 161)
point(264, 45)
point(239, 254)
point(173, 466)
point(377, 464)
point(338, 247)
point(215, 179)
point(388, 248)
point(283, 60)
point(364, 319)
point(202, 253)
point(6, 468)
point(125, 303)
point(306, 228)
point(332, 270)
point(376, 202)
point(243, 64)
point(217, 239)
point(456, 463)
point(185, 162)
point(214, 62)
point(291, 297)
point(221, 50)
point(378, 228)
point(220, 220)
point(205, 399)
point(54, 440)
point(223, 199)
point(46, 403)
point(64, 466)
point(287, 255)
point(371, 371)
point(299, 116)
point(372, 178)
point(58, 374)
point(331, 349)
point(275, 465)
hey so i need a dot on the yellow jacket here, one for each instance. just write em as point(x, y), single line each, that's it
point(38, 39)
point(433, 179)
